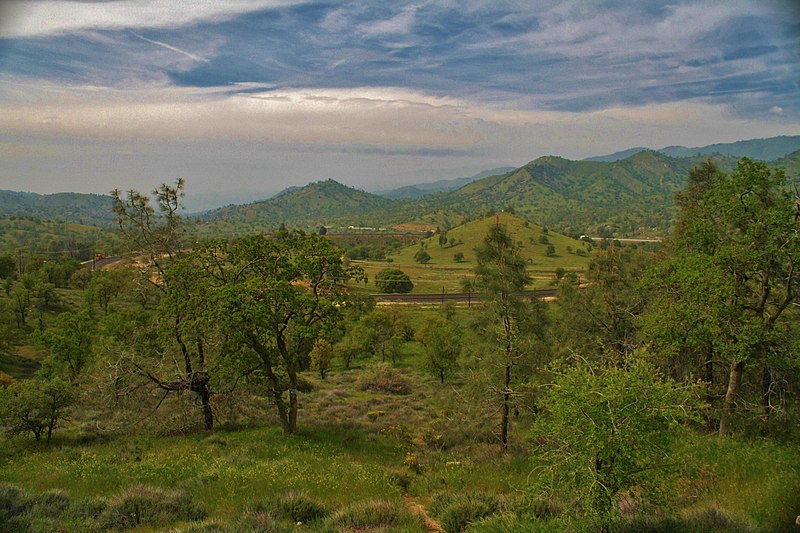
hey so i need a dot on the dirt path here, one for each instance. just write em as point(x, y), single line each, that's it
point(431, 525)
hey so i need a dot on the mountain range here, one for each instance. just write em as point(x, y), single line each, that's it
point(633, 195)
point(763, 149)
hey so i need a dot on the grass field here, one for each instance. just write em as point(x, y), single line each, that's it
point(443, 271)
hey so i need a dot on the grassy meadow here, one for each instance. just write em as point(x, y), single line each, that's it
point(444, 271)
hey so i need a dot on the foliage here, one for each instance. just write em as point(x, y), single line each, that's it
point(183, 313)
point(381, 332)
point(609, 433)
point(35, 406)
point(106, 285)
point(442, 340)
point(393, 280)
point(422, 256)
point(321, 357)
point(600, 320)
point(501, 277)
point(274, 299)
point(69, 340)
point(743, 230)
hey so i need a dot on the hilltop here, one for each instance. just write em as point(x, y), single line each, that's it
point(321, 203)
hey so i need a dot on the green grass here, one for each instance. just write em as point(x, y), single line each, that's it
point(20, 362)
point(444, 272)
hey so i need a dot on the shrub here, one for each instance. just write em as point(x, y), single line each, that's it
point(13, 502)
point(299, 507)
point(50, 504)
point(456, 512)
point(384, 378)
point(422, 256)
point(393, 280)
point(151, 506)
point(372, 514)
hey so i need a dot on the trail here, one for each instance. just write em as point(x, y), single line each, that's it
point(431, 525)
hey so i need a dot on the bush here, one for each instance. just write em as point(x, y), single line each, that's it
point(150, 506)
point(369, 515)
point(422, 257)
point(384, 378)
point(393, 280)
point(456, 512)
point(298, 507)
point(13, 502)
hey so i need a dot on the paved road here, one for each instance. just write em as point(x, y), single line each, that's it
point(460, 297)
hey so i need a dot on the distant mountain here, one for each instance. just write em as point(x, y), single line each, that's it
point(317, 204)
point(421, 189)
point(89, 209)
point(631, 196)
point(616, 156)
point(764, 149)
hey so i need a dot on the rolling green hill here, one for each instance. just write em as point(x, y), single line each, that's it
point(445, 273)
point(323, 203)
point(88, 209)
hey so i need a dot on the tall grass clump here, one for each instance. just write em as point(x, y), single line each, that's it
point(144, 505)
point(455, 512)
point(383, 378)
point(374, 515)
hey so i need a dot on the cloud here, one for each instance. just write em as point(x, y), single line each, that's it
point(26, 18)
point(169, 47)
point(776, 110)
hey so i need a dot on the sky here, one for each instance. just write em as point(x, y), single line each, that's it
point(243, 98)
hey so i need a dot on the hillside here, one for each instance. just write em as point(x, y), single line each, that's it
point(633, 196)
point(322, 203)
point(37, 236)
point(421, 189)
point(89, 209)
point(445, 272)
point(528, 235)
point(791, 166)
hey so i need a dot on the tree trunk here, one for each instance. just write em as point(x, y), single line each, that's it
point(766, 392)
point(292, 418)
point(208, 414)
point(734, 380)
point(506, 406)
point(441, 375)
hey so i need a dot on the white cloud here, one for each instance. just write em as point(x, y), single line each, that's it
point(776, 110)
point(387, 118)
point(26, 18)
point(400, 23)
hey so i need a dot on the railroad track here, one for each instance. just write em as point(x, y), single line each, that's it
point(459, 297)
